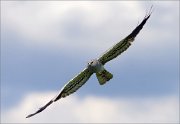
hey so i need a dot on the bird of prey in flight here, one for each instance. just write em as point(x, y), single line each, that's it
point(97, 66)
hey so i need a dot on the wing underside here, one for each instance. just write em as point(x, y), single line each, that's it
point(124, 44)
point(72, 86)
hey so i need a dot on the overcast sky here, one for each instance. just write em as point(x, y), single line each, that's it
point(44, 44)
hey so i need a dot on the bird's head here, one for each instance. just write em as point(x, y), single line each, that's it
point(94, 65)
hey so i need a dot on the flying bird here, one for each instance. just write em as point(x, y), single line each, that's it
point(97, 66)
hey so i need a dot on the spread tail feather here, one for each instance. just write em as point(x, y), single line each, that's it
point(103, 76)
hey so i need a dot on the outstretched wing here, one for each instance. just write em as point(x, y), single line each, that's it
point(123, 44)
point(72, 86)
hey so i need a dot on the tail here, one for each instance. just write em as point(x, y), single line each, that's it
point(103, 76)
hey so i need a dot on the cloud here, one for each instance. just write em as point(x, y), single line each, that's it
point(62, 23)
point(92, 109)
point(85, 25)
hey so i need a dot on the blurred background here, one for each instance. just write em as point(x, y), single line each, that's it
point(46, 43)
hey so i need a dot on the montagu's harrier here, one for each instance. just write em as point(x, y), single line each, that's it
point(97, 66)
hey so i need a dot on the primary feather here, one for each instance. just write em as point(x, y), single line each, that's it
point(68, 89)
point(123, 44)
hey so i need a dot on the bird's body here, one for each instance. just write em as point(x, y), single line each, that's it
point(96, 66)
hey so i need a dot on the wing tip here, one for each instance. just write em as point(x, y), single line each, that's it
point(40, 109)
point(148, 14)
point(29, 115)
point(140, 26)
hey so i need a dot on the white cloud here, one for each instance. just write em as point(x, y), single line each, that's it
point(60, 23)
point(85, 25)
point(94, 109)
